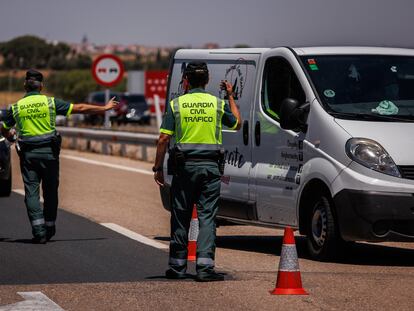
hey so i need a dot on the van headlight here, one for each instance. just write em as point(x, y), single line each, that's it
point(371, 154)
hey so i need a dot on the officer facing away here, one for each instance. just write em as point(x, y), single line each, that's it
point(195, 119)
point(38, 146)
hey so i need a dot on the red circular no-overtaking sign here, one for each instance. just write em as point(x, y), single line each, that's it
point(107, 70)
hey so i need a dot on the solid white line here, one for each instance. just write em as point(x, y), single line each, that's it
point(135, 236)
point(121, 230)
point(21, 192)
point(116, 166)
point(32, 301)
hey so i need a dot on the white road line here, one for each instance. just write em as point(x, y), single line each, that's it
point(21, 192)
point(135, 236)
point(32, 301)
point(121, 230)
point(116, 166)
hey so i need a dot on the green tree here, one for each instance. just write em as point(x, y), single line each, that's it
point(71, 85)
point(30, 51)
point(75, 85)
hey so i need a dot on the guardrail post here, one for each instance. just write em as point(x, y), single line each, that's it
point(73, 143)
point(123, 150)
point(104, 147)
point(144, 153)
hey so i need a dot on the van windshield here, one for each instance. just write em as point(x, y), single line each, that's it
point(364, 87)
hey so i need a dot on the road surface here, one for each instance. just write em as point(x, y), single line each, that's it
point(91, 267)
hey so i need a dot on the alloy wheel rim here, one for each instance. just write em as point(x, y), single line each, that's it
point(319, 226)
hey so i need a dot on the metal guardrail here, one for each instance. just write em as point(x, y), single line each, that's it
point(110, 137)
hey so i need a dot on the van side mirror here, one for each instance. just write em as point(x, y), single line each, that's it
point(293, 115)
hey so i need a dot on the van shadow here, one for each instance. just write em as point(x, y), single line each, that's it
point(352, 253)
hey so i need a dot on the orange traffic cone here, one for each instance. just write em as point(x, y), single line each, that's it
point(288, 277)
point(192, 236)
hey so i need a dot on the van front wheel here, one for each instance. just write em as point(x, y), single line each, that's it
point(322, 237)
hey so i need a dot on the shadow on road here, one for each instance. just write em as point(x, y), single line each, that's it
point(29, 241)
point(354, 253)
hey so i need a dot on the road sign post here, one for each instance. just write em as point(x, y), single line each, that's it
point(107, 70)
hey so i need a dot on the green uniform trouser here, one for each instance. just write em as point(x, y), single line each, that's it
point(39, 168)
point(196, 183)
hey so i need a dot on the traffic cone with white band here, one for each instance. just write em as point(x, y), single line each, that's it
point(289, 281)
point(193, 235)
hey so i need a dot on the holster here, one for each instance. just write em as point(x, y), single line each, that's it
point(175, 161)
point(221, 161)
point(56, 144)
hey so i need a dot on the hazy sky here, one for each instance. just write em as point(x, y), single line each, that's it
point(227, 22)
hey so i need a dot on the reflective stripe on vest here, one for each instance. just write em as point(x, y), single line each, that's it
point(198, 121)
point(35, 115)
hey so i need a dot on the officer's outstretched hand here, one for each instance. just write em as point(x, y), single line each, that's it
point(111, 104)
point(159, 178)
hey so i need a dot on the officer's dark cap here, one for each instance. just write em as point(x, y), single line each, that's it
point(34, 75)
point(196, 67)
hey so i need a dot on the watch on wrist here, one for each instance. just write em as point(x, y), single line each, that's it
point(156, 169)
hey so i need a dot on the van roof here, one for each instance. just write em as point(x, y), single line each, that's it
point(301, 51)
point(360, 50)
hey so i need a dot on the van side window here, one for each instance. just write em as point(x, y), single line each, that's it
point(279, 82)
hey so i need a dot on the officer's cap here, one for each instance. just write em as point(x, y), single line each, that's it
point(196, 67)
point(34, 75)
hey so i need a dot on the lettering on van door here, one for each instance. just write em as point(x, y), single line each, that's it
point(237, 74)
point(295, 151)
point(286, 173)
point(233, 158)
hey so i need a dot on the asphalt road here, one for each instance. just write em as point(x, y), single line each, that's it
point(82, 251)
point(120, 275)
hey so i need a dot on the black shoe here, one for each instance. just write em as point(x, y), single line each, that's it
point(50, 232)
point(172, 275)
point(209, 277)
point(39, 240)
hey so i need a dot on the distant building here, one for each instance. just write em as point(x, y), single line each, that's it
point(211, 46)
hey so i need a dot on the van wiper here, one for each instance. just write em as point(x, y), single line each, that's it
point(370, 117)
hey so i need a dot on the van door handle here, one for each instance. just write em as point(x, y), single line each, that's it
point(257, 133)
point(246, 132)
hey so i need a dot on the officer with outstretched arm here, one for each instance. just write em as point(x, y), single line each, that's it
point(196, 162)
point(38, 146)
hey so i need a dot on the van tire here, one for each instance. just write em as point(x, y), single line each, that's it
point(323, 240)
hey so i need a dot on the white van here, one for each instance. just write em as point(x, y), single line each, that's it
point(327, 142)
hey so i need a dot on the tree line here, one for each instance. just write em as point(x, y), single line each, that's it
point(34, 52)
point(70, 76)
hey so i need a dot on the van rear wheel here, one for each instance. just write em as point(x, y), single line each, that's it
point(322, 238)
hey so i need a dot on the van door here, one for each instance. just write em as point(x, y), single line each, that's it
point(277, 155)
point(240, 70)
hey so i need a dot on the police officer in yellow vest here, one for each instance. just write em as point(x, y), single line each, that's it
point(38, 146)
point(195, 119)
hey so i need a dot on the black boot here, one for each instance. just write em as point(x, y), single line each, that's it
point(173, 275)
point(209, 277)
point(50, 232)
point(39, 240)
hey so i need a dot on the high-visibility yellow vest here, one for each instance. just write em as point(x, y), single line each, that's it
point(35, 116)
point(198, 121)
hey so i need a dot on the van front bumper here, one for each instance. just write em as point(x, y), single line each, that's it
point(375, 216)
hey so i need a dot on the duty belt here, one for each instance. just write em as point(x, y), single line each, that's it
point(202, 158)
